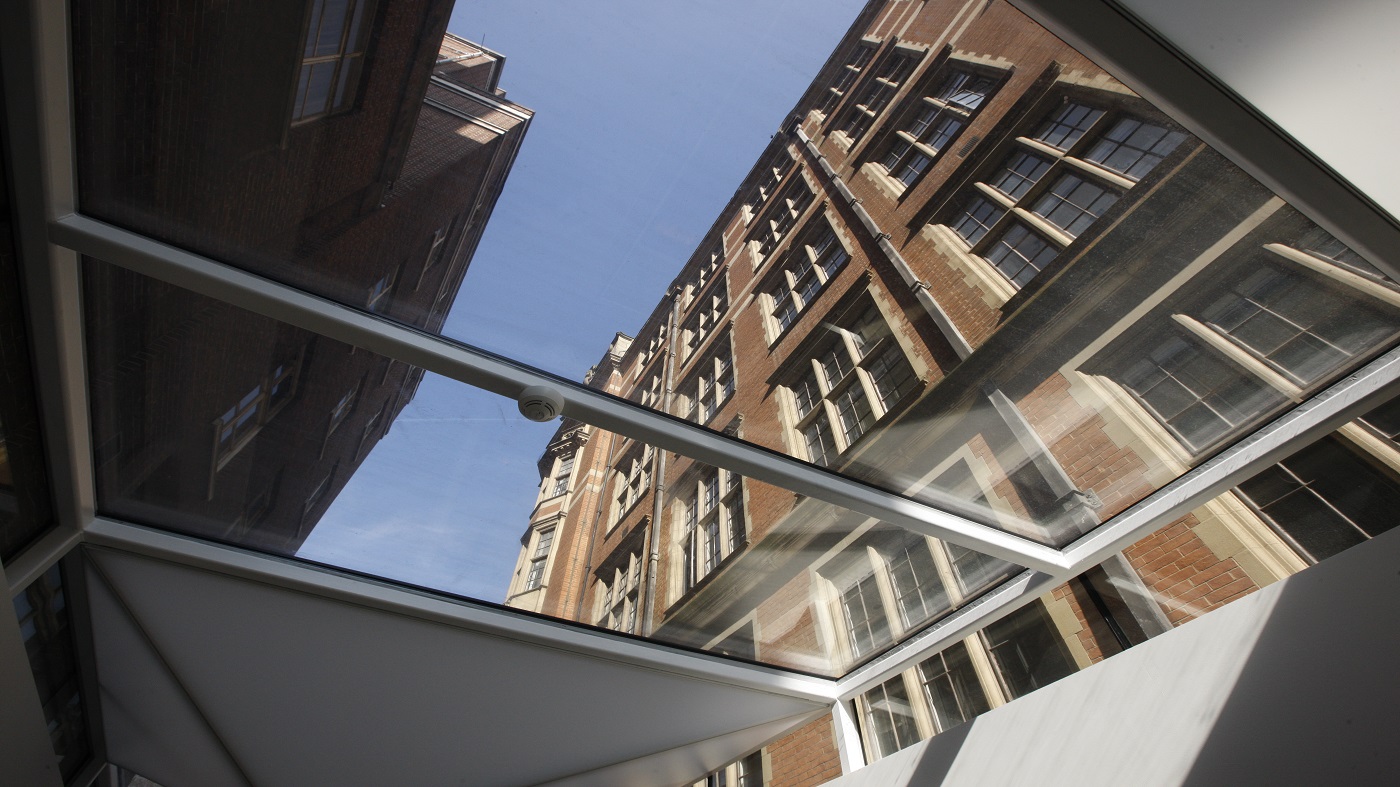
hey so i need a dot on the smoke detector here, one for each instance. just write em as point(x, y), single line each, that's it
point(541, 403)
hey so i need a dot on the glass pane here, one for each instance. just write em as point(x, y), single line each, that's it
point(374, 466)
point(42, 611)
point(1069, 239)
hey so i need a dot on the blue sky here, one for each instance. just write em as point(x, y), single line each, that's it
point(648, 114)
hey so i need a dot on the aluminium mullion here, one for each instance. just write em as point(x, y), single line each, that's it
point(314, 579)
point(484, 370)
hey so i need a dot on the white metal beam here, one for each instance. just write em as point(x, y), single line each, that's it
point(304, 577)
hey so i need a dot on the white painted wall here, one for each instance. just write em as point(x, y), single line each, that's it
point(1295, 684)
point(1324, 71)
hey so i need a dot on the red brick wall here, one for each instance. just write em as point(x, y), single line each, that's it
point(1186, 577)
point(805, 758)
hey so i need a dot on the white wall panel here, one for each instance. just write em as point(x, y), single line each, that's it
point(1323, 71)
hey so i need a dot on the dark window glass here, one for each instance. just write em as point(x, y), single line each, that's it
point(1303, 327)
point(893, 377)
point(1385, 419)
point(951, 686)
point(1321, 243)
point(1021, 172)
point(819, 442)
point(1027, 650)
point(1068, 125)
point(866, 625)
point(1073, 203)
point(1325, 498)
point(751, 770)
point(918, 590)
point(975, 570)
point(1020, 254)
point(935, 125)
point(890, 717)
point(976, 219)
point(1133, 147)
point(853, 408)
point(846, 77)
point(42, 611)
point(1198, 396)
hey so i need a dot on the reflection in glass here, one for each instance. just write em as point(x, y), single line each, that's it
point(1019, 293)
point(42, 610)
point(248, 431)
point(952, 688)
point(342, 146)
point(741, 567)
point(229, 426)
point(889, 716)
point(1323, 499)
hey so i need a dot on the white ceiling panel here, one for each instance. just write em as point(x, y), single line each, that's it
point(150, 723)
point(304, 689)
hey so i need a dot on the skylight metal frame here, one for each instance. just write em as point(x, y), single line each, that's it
point(52, 234)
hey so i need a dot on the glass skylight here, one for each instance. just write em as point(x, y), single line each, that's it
point(300, 446)
point(1107, 267)
point(1030, 330)
point(904, 366)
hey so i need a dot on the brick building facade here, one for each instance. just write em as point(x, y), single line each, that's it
point(974, 269)
point(355, 150)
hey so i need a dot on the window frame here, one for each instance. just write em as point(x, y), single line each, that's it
point(710, 383)
point(931, 98)
point(1003, 208)
point(562, 476)
point(706, 315)
point(809, 381)
point(702, 515)
point(631, 481)
point(617, 592)
point(347, 62)
point(852, 70)
point(876, 92)
point(780, 219)
point(341, 412)
point(268, 397)
point(542, 550)
point(785, 289)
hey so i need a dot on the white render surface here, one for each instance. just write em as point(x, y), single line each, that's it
point(1324, 72)
point(1292, 685)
